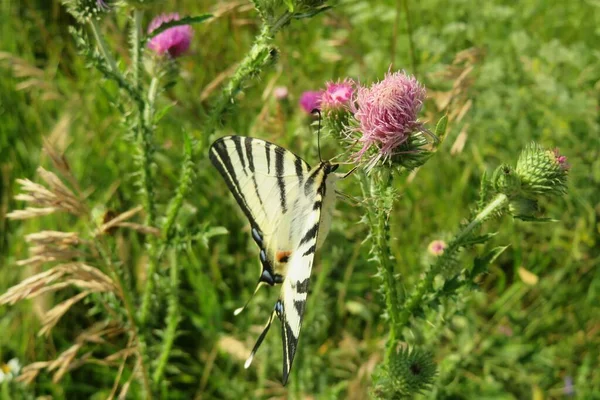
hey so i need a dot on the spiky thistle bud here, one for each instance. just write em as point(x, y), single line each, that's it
point(542, 171)
point(406, 373)
point(85, 10)
point(335, 104)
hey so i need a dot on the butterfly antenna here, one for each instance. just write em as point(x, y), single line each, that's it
point(317, 111)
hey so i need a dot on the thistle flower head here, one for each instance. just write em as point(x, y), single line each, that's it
point(542, 171)
point(437, 247)
point(175, 41)
point(280, 93)
point(387, 112)
point(311, 100)
point(337, 95)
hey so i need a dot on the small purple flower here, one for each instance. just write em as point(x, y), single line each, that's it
point(337, 95)
point(280, 93)
point(175, 40)
point(437, 247)
point(569, 389)
point(102, 5)
point(311, 100)
point(387, 112)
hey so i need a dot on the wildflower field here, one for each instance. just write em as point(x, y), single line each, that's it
point(461, 261)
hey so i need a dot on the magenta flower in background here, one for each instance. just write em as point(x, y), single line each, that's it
point(437, 247)
point(311, 100)
point(387, 112)
point(175, 40)
point(337, 95)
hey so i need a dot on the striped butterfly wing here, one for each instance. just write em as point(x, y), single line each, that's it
point(283, 199)
point(265, 180)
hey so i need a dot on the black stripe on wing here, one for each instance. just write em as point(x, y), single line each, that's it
point(219, 156)
point(308, 245)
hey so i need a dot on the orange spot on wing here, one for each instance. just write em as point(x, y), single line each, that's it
point(282, 256)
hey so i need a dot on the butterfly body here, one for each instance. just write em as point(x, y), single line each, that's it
point(289, 206)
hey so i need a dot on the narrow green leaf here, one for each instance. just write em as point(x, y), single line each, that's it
point(311, 13)
point(478, 239)
point(481, 264)
point(183, 21)
point(440, 128)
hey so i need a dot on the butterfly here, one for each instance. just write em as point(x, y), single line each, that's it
point(289, 206)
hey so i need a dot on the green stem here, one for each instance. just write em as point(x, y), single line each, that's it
point(424, 286)
point(145, 134)
point(173, 319)
point(411, 44)
point(255, 61)
point(382, 249)
point(102, 45)
point(183, 187)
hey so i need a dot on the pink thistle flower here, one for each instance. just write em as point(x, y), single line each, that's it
point(387, 112)
point(311, 100)
point(175, 41)
point(337, 95)
point(437, 247)
point(280, 93)
point(561, 160)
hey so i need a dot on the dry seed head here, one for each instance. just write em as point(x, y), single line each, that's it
point(55, 314)
point(31, 371)
point(56, 238)
point(30, 212)
point(75, 274)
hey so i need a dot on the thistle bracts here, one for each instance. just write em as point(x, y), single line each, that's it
point(406, 373)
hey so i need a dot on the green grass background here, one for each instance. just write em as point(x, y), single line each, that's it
point(537, 77)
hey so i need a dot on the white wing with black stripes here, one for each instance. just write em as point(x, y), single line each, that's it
point(289, 207)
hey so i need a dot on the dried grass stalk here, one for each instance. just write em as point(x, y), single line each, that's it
point(56, 238)
point(31, 371)
point(47, 200)
point(55, 314)
point(119, 219)
point(76, 274)
point(148, 230)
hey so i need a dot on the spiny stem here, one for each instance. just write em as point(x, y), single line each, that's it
point(173, 319)
point(257, 58)
point(416, 298)
point(379, 186)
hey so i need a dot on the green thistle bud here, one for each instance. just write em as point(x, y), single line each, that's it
point(506, 180)
point(542, 171)
point(406, 373)
point(85, 10)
